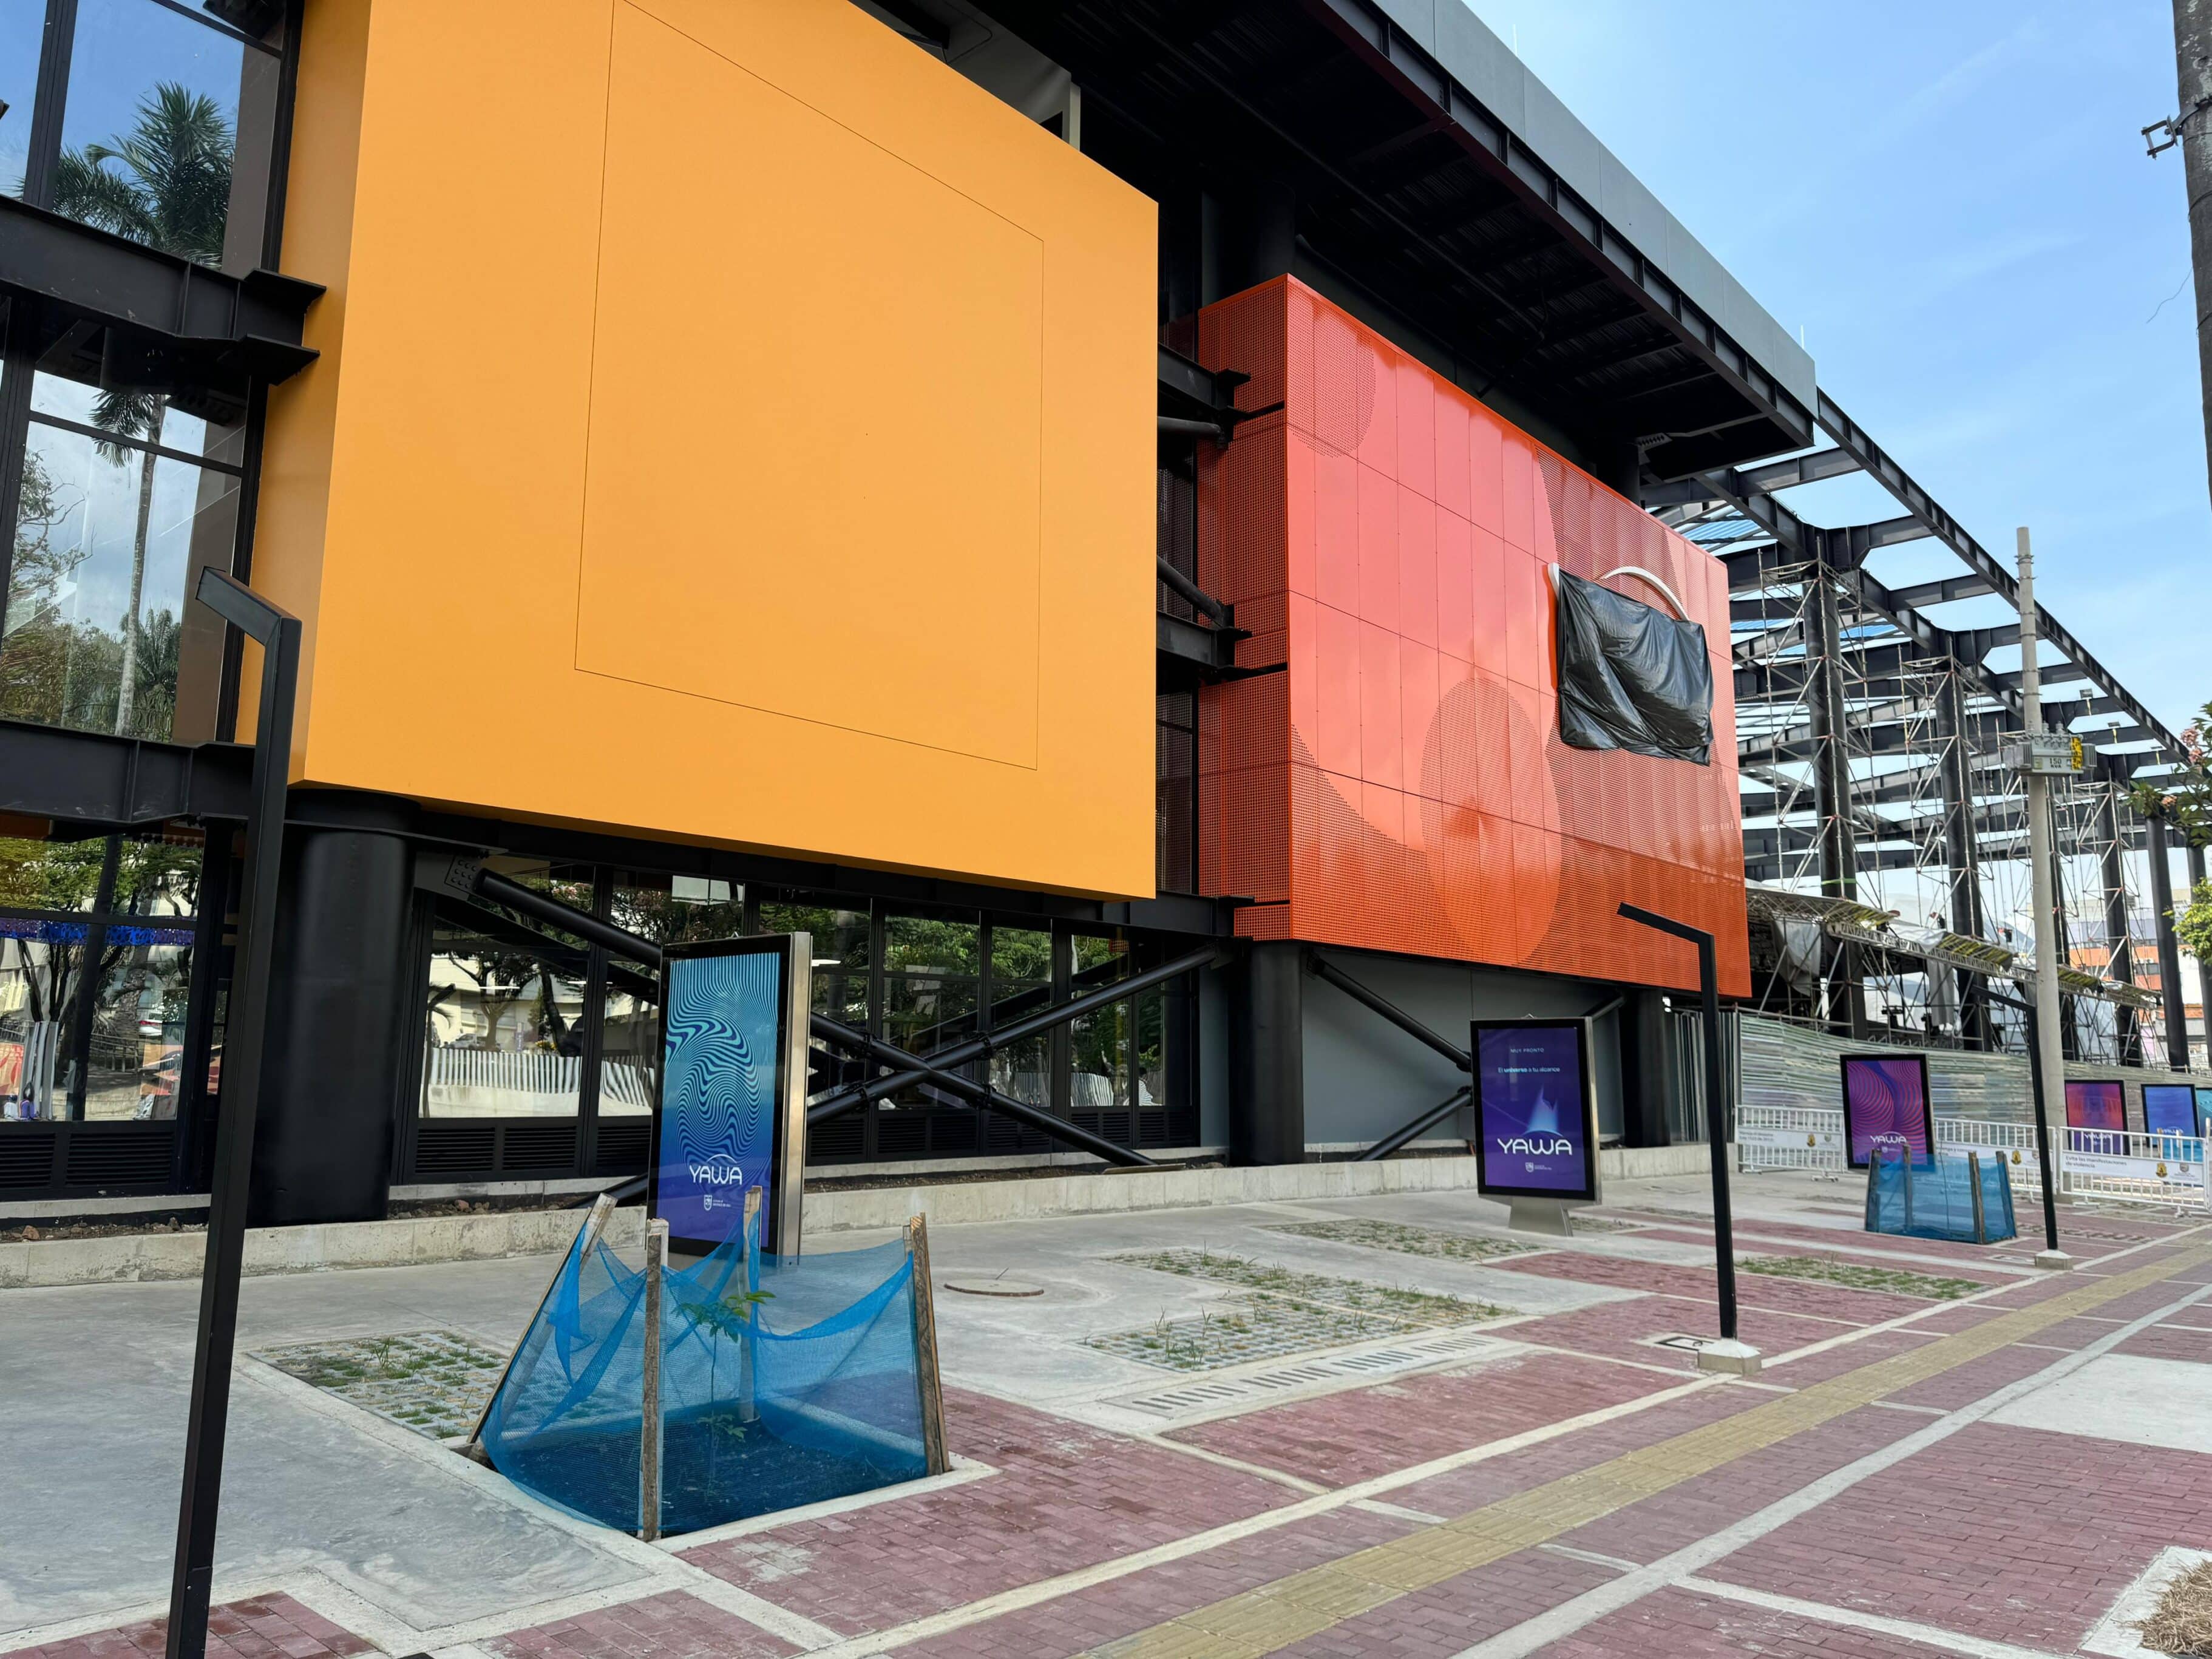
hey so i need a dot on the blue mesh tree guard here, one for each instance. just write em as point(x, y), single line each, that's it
point(781, 1382)
point(1967, 1199)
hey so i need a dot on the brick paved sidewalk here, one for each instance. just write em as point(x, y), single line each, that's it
point(1579, 1492)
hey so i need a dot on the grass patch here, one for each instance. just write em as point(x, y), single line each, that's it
point(2182, 1622)
point(1898, 1281)
point(436, 1383)
point(1433, 1243)
point(1239, 1329)
point(1404, 1306)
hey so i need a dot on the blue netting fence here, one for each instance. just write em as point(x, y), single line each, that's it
point(1935, 1198)
point(782, 1382)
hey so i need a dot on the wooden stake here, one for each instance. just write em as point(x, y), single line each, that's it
point(748, 1410)
point(648, 1439)
point(937, 1459)
point(603, 1209)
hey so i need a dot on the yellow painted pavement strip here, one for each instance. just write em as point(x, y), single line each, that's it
point(1273, 1617)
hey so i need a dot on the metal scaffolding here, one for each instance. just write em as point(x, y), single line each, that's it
point(1885, 827)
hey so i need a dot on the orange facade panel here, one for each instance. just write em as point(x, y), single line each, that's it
point(731, 426)
point(1401, 786)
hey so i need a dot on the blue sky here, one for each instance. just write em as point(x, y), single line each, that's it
point(1952, 201)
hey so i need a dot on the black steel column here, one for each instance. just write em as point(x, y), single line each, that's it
point(1956, 773)
point(1832, 782)
point(339, 1015)
point(1647, 1074)
point(2121, 963)
point(2169, 948)
point(209, 925)
point(1266, 1057)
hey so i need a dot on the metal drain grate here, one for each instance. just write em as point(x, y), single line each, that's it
point(1235, 1390)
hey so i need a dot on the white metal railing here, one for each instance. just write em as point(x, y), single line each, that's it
point(2128, 1165)
point(502, 1083)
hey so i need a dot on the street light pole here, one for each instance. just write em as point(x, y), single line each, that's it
point(1728, 1354)
point(2049, 1059)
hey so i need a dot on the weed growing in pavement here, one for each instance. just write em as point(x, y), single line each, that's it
point(1407, 1240)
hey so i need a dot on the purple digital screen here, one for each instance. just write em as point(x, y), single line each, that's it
point(2096, 1106)
point(2169, 1108)
point(1532, 1110)
point(1886, 1105)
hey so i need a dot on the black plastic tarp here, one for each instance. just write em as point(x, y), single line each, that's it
point(1631, 676)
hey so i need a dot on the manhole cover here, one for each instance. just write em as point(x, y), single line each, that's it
point(1001, 1284)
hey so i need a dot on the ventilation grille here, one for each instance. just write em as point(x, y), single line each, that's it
point(128, 1155)
point(1217, 1398)
point(539, 1146)
point(26, 1156)
point(624, 1145)
point(454, 1148)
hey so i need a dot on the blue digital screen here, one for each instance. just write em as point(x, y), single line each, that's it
point(2204, 1111)
point(2169, 1108)
point(1532, 1111)
point(719, 1094)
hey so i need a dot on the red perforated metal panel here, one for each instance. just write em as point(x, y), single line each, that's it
point(1401, 786)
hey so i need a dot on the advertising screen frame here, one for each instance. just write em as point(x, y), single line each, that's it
point(782, 1192)
point(2086, 1084)
point(2203, 1110)
point(2188, 1091)
point(1852, 1159)
point(1586, 1081)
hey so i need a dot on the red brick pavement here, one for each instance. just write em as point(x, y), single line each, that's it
point(1614, 1328)
point(1343, 1438)
point(264, 1627)
point(1845, 1357)
point(670, 1627)
point(1765, 1238)
point(1680, 1624)
point(2162, 1342)
point(2014, 1534)
point(1119, 1607)
point(1065, 1497)
point(1443, 1619)
point(1774, 1292)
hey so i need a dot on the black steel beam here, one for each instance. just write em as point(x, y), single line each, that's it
point(93, 779)
point(1800, 469)
point(227, 329)
point(1851, 438)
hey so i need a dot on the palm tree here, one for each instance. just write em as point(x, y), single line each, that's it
point(173, 192)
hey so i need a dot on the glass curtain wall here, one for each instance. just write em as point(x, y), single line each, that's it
point(522, 1021)
point(97, 948)
point(154, 120)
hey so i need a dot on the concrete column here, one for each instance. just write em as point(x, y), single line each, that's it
point(1268, 1067)
point(342, 1016)
point(2169, 948)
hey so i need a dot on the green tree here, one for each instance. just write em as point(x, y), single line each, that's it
point(169, 187)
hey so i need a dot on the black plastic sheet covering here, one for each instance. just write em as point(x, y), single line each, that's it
point(1631, 676)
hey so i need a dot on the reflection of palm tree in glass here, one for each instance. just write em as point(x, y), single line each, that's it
point(171, 190)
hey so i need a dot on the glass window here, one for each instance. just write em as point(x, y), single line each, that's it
point(40, 970)
point(110, 534)
point(165, 131)
point(1099, 1042)
point(51, 875)
point(1021, 985)
point(502, 1034)
point(138, 1024)
point(22, 28)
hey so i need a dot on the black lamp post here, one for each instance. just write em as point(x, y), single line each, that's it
point(278, 632)
point(1716, 1105)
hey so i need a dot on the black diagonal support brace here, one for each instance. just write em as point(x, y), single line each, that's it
point(983, 1095)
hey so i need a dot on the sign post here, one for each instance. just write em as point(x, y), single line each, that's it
point(1728, 1354)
